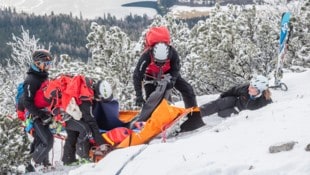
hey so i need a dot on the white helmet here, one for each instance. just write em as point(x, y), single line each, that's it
point(160, 52)
point(260, 82)
point(104, 90)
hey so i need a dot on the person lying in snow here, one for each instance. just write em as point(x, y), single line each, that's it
point(251, 96)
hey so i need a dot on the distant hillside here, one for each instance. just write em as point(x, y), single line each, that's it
point(66, 34)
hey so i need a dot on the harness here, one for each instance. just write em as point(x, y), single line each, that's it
point(156, 71)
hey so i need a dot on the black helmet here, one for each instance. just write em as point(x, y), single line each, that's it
point(42, 55)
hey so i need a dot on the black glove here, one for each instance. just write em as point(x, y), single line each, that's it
point(170, 84)
point(46, 119)
point(140, 101)
point(222, 95)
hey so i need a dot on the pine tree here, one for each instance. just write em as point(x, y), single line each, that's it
point(17, 65)
point(197, 59)
point(299, 46)
point(113, 53)
point(14, 149)
point(232, 45)
point(69, 66)
point(219, 51)
point(15, 146)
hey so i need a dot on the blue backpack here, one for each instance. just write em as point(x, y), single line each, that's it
point(20, 91)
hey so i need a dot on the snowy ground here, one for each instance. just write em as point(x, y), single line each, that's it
point(234, 146)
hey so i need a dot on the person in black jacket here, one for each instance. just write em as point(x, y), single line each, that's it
point(76, 116)
point(250, 96)
point(156, 62)
point(43, 138)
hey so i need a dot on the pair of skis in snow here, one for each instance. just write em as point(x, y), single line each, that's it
point(284, 36)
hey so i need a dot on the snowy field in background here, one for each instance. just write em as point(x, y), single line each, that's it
point(183, 11)
point(88, 8)
point(238, 145)
point(97, 8)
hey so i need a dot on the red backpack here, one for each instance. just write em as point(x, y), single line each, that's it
point(155, 35)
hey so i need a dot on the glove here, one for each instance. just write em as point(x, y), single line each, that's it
point(28, 125)
point(46, 119)
point(170, 84)
point(140, 101)
point(222, 95)
point(92, 141)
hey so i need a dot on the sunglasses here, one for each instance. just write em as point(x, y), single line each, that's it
point(47, 63)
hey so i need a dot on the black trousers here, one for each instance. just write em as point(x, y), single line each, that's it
point(42, 144)
point(223, 106)
point(77, 141)
point(182, 86)
point(194, 119)
point(86, 109)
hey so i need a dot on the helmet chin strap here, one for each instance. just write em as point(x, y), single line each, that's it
point(39, 67)
point(35, 68)
point(253, 97)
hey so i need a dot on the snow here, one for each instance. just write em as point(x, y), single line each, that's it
point(88, 8)
point(97, 8)
point(238, 145)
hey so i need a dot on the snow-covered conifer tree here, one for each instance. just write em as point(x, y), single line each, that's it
point(232, 44)
point(69, 66)
point(14, 146)
point(112, 51)
point(15, 69)
point(220, 54)
point(299, 46)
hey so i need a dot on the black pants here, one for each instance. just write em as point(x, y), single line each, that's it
point(77, 142)
point(86, 109)
point(223, 106)
point(194, 119)
point(182, 86)
point(42, 143)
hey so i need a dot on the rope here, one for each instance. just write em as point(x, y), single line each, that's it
point(170, 124)
point(62, 148)
point(53, 154)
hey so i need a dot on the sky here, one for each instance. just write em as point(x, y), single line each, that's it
point(238, 145)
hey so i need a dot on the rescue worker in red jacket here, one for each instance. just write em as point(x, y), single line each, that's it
point(152, 66)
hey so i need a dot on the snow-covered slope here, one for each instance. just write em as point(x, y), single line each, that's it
point(238, 145)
